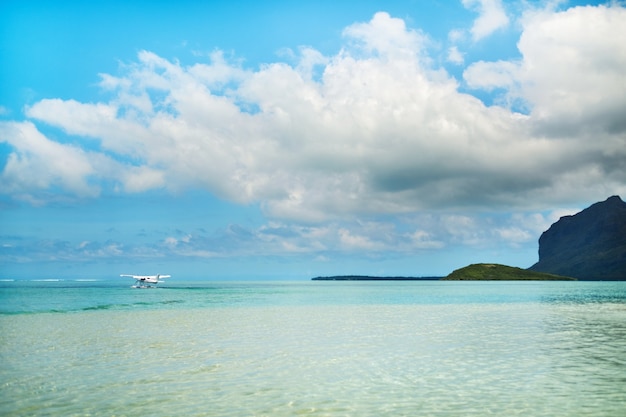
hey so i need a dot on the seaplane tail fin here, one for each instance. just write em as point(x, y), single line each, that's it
point(163, 276)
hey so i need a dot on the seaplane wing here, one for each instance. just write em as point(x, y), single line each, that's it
point(143, 280)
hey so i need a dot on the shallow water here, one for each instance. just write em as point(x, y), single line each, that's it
point(314, 348)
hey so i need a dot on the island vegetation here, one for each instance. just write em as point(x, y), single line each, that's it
point(372, 278)
point(497, 272)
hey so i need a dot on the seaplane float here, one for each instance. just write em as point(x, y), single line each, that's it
point(146, 281)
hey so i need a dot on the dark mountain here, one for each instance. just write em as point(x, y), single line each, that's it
point(589, 245)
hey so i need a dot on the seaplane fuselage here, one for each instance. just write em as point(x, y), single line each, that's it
point(142, 281)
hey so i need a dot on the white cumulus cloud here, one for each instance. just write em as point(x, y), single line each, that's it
point(38, 163)
point(491, 17)
point(373, 129)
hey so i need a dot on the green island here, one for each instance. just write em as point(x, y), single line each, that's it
point(372, 278)
point(474, 272)
point(497, 272)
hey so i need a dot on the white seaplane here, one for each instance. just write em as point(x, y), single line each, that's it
point(146, 281)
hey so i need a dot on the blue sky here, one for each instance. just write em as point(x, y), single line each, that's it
point(286, 140)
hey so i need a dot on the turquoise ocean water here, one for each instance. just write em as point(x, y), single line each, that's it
point(316, 348)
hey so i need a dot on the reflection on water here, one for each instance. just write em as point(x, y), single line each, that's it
point(281, 350)
point(587, 350)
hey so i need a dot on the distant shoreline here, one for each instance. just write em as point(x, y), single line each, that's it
point(370, 278)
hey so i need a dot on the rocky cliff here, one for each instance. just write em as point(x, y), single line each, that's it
point(588, 245)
